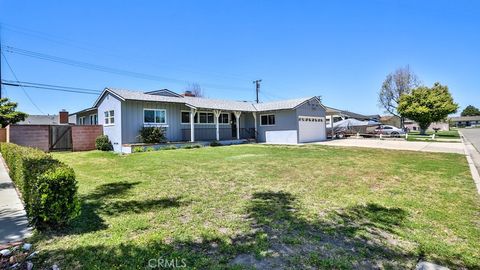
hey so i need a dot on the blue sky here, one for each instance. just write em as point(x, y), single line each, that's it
point(340, 50)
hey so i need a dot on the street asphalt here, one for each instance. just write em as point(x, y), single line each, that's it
point(473, 136)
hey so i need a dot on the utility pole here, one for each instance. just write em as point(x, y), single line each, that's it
point(257, 87)
point(1, 58)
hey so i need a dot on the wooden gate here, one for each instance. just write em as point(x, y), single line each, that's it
point(60, 138)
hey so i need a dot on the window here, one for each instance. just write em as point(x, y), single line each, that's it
point(206, 118)
point(93, 119)
point(267, 120)
point(154, 116)
point(109, 117)
point(224, 118)
point(81, 120)
point(185, 117)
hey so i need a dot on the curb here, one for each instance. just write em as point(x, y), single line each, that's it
point(468, 147)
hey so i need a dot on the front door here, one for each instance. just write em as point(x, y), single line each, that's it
point(234, 125)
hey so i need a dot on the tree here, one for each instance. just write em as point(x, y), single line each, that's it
point(195, 88)
point(427, 105)
point(8, 113)
point(396, 84)
point(470, 111)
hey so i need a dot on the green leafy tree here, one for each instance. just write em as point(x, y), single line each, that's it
point(9, 114)
point(470, 111)
point(427, 105)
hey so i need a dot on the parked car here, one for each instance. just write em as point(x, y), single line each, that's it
point(389, 130)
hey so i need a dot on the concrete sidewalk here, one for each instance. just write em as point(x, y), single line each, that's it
point(473, 156)
point(13, 219)
point(439, 147)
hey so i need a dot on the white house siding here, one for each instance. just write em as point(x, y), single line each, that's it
point(114, 132)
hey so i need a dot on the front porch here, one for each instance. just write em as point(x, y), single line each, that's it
point(209, 125)
point(224, 132)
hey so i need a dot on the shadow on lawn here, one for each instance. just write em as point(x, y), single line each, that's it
point(104, 201)
point(362, 237)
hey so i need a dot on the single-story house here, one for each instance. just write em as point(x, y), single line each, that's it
point(465, 121)
point(87, 116)
point(46, 119)
point(188, 118)
point(411, 125)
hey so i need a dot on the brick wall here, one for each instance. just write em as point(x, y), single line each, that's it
point(36, 136)
point(83, 137)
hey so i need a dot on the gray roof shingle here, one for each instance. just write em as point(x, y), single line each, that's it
point(40, 120)
point(208, 103)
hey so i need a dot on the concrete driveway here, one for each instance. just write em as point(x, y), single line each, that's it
point(440, 147)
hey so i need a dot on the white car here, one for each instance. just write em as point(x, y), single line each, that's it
point(389, 130)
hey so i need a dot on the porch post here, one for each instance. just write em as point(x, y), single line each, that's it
point(217, 115)
point(192, 124)
point(331, 125)
point(255, 126)
point(237, 115)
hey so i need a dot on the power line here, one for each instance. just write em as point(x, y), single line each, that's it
point(105, 51)
point(53, 87)
point(23, 89)
point(107, 69)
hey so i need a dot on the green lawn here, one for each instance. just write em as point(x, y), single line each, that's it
point(451, 134)
point(257, 206)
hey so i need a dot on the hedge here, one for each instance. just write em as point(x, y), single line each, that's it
point(48, 186)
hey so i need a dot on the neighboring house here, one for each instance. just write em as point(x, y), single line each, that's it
point(339, 115)
point(412, 125)
point(465, 121)
point(56, 119)
point(84, 117)
point(390, 120)
point(187, 118)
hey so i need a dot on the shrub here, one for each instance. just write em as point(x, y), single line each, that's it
point(215, 143)
point(149, 149)
point(152, 135)
point(48, 186)
point(170, 147)
point(103, 143)
point(190, 146)
point(138, 149)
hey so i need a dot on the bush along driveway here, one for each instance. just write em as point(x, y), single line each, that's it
point(259, 206)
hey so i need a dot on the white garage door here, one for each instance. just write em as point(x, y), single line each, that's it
point(311, 129)
point(281, 136)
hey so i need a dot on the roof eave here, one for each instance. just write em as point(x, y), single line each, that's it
point(103, 93)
